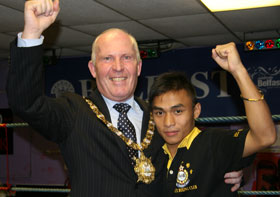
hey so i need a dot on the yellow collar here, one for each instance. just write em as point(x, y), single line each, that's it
point(186, 142)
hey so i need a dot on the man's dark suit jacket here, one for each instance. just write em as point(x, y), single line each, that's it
point(96, 158)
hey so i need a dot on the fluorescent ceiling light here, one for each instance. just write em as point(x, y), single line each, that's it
point(226, 5)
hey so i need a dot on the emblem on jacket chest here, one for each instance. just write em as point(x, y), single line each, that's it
point(182, 177)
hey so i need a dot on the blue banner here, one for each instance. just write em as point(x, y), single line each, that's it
point(216, 89)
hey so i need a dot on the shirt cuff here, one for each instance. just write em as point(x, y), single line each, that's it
point(29, 42)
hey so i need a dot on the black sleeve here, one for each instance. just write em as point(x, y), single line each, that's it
point(25, 90)
point(228, 146)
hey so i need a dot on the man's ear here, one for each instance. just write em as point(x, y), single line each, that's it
point(197, 110)
point(139, 67)
point(91, 68)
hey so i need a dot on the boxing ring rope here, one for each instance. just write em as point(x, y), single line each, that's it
point(229, 119)
point(226, 119)
point(207, 120)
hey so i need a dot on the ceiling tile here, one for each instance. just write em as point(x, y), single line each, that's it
point(81, 12)
point(182, 26)
point(65, 37)
point(139, 31)
point(211, 40)
point(8, 23)
point(18, 4)
point(260, 19)
point(146, 9)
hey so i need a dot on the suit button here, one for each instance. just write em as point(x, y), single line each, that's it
point(170, 171)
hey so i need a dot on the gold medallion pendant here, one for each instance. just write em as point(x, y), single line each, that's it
point(144, 169)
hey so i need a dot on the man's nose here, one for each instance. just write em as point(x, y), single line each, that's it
point(118, 65)
point(169, 120)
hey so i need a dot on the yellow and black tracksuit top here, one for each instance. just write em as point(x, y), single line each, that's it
point(201, 161)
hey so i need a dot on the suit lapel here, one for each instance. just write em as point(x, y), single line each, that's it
point(146, 116)
point(98, 100)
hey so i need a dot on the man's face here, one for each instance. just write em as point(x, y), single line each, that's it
point(116, 69)
point(174, 116)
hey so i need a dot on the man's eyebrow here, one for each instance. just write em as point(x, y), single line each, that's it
point(177, 106)
point(173, 107)
point(156, 108)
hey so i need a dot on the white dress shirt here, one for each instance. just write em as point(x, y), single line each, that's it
point(135, 115)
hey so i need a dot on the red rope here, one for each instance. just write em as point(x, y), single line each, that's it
point(7, 159)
